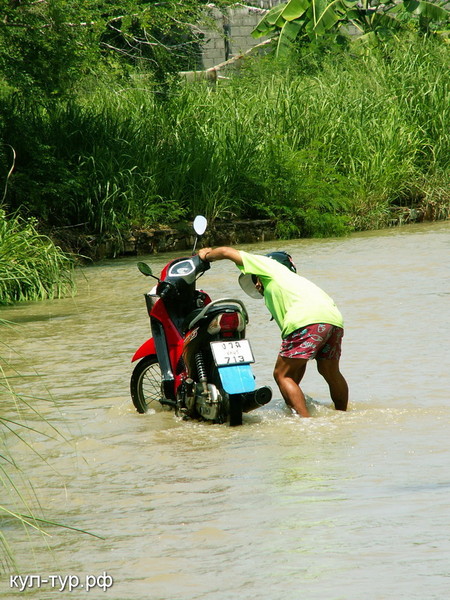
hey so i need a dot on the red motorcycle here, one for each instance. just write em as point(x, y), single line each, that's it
point(198, 361)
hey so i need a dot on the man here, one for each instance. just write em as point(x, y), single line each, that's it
point(311, 324)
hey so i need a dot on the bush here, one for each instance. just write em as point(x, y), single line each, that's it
point(321, 144)
point(31, 266)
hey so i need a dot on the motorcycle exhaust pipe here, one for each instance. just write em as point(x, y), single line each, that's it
point(256, 399)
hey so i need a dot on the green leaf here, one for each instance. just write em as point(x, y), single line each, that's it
point(267, 25)
point(366, 41)
point(429, 10)
point(288, 35)
point(295, 9)
point(327, 20)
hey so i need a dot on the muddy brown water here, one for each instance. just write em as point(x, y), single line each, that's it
point(340, 506)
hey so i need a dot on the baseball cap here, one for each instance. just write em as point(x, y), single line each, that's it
point(248, 286)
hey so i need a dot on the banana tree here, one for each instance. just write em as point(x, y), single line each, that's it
point(310, 19)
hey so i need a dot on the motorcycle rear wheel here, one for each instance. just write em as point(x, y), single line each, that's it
point(145, 385)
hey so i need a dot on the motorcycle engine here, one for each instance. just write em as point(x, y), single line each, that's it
point(207, 406)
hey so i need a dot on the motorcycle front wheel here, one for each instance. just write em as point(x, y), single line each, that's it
point(145, 385)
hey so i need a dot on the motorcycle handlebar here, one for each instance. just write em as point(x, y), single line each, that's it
point(166, 292)
point(202, 264)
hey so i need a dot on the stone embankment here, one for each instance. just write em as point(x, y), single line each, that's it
point(220, 233)
point(172, 239)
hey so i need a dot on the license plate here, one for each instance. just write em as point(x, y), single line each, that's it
point(232, 353)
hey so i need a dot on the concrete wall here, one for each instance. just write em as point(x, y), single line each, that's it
point(232, 34)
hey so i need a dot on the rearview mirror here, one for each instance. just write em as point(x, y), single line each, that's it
point(145, 269)
point(200, 224)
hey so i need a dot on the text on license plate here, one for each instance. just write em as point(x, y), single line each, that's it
point(232, 353)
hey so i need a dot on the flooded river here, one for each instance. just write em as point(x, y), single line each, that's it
point(342, 506)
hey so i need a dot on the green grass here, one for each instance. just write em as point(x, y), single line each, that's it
point(323, 145)
point(31, 266)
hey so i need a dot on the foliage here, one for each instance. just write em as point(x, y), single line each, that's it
point(17, 498)
point(46, 46)
point(306, 20)
point(321, 142)
point(31, 266)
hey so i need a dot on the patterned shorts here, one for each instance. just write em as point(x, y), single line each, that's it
point(320, 340)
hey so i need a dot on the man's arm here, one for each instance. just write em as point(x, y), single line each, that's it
point(212, 254)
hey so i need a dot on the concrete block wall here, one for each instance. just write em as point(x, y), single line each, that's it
point(232, 34)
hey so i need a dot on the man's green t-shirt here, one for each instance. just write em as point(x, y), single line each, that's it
point(292, 300)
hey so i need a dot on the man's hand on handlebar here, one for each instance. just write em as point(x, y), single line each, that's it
point(220, 253)
point(203, 253)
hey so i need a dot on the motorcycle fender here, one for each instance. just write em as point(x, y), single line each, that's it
point(237, 379)
point(146, 349)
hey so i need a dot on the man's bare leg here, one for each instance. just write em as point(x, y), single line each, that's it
point(329, 369)
point(288, 373)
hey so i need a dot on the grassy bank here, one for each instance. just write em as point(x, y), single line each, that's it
point(31, 266)
point(324, 145)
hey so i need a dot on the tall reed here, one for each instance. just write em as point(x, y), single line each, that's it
point(321, 145)
point(31, 266)
point(23, 428)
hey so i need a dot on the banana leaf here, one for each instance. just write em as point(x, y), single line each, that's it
point(429, 10)
point(267, 25)
point(295, 9)
point(317, 17)
point(287, 37)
